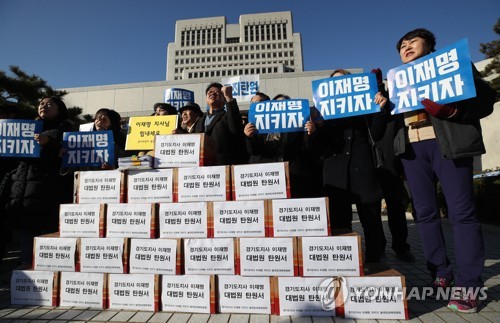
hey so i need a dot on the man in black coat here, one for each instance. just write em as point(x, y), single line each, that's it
point(224, 125)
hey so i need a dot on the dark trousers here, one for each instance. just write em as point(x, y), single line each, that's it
point(340, 205)
point(423, 163)
point(396, 199)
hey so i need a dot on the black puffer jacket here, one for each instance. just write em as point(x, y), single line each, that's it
point(37, 187)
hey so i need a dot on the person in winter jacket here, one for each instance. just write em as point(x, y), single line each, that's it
point(438, 143)
point(349, 174)
point(37, 187)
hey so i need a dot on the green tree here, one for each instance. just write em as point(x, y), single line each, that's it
point(492, 50)
point(22, 92)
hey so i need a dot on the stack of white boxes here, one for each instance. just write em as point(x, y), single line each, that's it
point(211, 239)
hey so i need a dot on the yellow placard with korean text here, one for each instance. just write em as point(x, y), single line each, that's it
point(142, 131)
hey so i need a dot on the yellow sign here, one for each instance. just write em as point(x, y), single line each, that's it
point(142, 131)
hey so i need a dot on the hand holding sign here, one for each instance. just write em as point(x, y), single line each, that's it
point(310, 127)
point(380, 99)
point(250, 130)
point(41, 139)
point(441, 111)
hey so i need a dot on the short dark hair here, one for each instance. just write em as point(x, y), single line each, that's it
point(423, 33)
point(213, 84)
point(263, 96)
point(341, 71)
point(165, 106)
point(281, 96)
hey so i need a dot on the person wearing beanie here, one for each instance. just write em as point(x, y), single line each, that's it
point(190, 114)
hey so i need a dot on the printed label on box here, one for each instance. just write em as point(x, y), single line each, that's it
point(239, 294)
point(331, 256)
point(150, 186)
point(199, 184)
point(101, 255)
point(55, 254)
point(32, 288)
point(181, 150)
point(260, 181)
point(374, 298)
point(153, 256)
point(209, 256)
point(267, 256)
point(300, 217)
point(132, 291)
point(183, 220)
point(79, 220)
point(101, 186)
point(187, 293)
point(239, 219)
point(82, 290)
point(303, 296)
point(125, 220)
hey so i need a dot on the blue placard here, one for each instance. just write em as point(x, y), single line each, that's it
point(17, 138)
point(178, 97)
point(443, 76)
point(346, 96)
point(88, 148)
point(279, 115)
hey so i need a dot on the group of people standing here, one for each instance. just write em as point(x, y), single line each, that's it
point(332, 158)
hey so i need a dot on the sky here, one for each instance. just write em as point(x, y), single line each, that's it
point(75, 43)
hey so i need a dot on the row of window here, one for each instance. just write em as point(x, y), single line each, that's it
point(265, 32)
point(249, 71)
point(241, 48)
point(240, 57)
point(178, 70)
point(207, 36)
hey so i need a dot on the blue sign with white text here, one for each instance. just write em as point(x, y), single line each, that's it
point(346, 96)
point(88, 148)
point(17, 138)
point(443, 76)
point(178, 97)
point(279, 115)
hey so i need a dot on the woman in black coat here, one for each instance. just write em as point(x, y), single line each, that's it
point(349, 174)
point(37, 187)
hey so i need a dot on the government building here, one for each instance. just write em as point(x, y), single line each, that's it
point(207, 50)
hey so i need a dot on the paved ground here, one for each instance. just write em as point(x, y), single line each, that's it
point(415, 273)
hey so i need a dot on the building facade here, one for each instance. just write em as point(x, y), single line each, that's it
point(207, 50)
point(209, 47)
